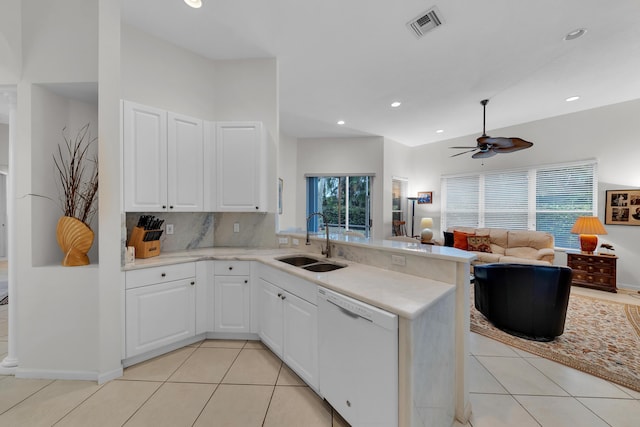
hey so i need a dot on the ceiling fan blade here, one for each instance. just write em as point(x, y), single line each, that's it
point(465, 147)
point(517, 144)
point(496, 142)
point(464, 152)
point(484, 154)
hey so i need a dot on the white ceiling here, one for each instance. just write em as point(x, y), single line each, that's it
point(350, 59)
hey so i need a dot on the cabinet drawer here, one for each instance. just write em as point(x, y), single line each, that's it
point(168, 273)
point(585, 277)
point(232, 268)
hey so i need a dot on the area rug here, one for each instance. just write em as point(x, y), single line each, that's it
point(601, 338)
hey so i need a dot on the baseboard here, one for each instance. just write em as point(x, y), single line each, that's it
point(162, 350)
point(111, 375)
point(232, 336)
point(56, 375)
point(628, 287)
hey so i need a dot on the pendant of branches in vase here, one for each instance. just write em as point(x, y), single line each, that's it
point(77, 174)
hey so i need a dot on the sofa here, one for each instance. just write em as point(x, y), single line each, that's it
point(497, 245)
point(528, 301)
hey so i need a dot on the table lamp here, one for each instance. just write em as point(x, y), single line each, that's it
point(588, 227)
point(426, 235)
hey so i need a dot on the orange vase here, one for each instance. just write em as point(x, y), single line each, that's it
point(75, 239)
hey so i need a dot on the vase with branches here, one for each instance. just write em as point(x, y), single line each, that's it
point(77, 173)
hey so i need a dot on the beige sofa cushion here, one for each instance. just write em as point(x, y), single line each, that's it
point(486, 257)
point(530, 239)
point(518, 260)
point(522, 252)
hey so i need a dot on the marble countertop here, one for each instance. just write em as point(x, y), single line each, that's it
point(402, 294)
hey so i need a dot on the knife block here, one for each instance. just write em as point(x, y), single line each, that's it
point(143, 249)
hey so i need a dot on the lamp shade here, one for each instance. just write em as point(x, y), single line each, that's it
point(426, 223)
point(587, 227)
point(426, 234)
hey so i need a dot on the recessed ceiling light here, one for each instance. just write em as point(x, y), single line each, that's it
point(340, 122)
point(196, 4)
point(575, 34)
point(396, 104)
point(572, 98)
point(440, 131)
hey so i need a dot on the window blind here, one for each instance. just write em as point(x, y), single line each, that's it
point(547, 198)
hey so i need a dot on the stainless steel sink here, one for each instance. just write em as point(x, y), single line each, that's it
point(298, 260)
point(322, 267)
point(311, 264)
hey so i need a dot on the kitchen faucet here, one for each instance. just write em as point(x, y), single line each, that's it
point(326, 252)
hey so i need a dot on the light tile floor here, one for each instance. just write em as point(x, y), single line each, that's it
point(238, 383)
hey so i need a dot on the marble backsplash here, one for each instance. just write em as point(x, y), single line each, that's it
point(192, 230)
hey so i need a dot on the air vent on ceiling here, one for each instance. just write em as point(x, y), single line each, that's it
point(425, 22)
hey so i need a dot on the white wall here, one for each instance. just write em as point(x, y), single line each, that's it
point(354, 156)
point(10, 41)
point(608, 134)
point(288, 171)
point(4, 147)
point(57, 307)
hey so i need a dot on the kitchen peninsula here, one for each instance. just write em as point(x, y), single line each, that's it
point(429, 294)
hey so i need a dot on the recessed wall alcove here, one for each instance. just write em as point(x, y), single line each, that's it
point(54, 107)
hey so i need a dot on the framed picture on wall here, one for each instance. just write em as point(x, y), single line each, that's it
point(622, 207)
point(425, 197)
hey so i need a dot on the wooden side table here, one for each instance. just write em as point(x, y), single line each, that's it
point(593, 271)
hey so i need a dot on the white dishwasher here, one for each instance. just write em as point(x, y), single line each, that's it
point(358, 360)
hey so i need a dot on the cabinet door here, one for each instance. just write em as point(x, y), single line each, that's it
point(232, 303)
point(145, 158)
point(271, 316)
point(240, 166)
point(157, 315)
point(301, 338)
point(185, 171)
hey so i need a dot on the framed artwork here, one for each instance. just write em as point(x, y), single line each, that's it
point(425, 197)
point(622, 207)
point(280, 189)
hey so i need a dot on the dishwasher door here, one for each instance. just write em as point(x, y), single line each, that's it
point(358, 360)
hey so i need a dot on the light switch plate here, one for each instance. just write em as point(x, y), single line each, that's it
point(169, 228)
point(283, 240)
point(236, 227)
point(295, 242)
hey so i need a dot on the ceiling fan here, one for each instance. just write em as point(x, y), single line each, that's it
point(488, 146)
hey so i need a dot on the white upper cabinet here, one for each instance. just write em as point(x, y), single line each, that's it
point(163, 160)
point(145, 158)
point(240, 164)
point(185, 164)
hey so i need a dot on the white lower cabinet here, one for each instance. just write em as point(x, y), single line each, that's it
point(158, 315)
point(232, 299)
point(288, 326)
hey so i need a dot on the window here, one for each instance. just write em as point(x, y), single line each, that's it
point(344, 200)
point(548, 198)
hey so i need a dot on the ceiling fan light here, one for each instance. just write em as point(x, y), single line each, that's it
point(572, 98)
point(196, 4)
point(396, 104)
point(340, 122)
point(440, 131)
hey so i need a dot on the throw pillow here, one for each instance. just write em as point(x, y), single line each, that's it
point(479, 243)
point(460, 240)
point(448, 238)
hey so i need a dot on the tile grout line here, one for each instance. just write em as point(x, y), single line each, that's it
point(80, 403)
point(35, 392)
point(264, 419)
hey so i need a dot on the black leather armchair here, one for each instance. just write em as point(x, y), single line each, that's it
point(529, 301)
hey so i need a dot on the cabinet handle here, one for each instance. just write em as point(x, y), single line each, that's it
point(348, 404)
point(257, 207)
point(164, 206)
point(171, 207)
point(246, 281)
point(193, 283)
point(230, 267)
point(283, 297)
point(164, 275)
point(279, 295)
